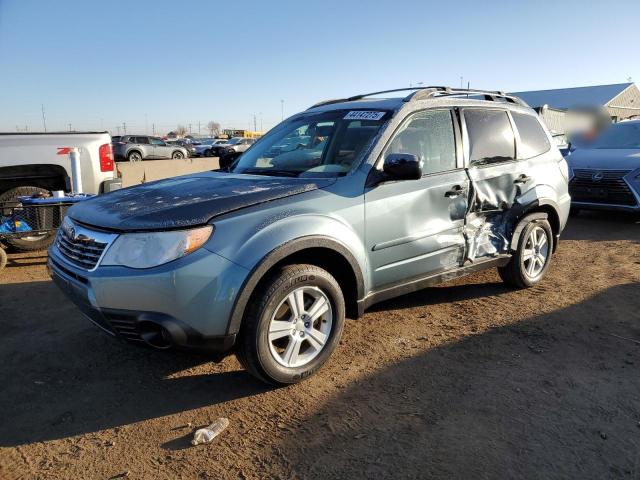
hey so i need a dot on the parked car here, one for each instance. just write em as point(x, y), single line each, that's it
point(606, 174)
point(39, 163)
point(266, 260)
point(205, 148)
point(188, 146)
point(136, 148)
point(229, 151)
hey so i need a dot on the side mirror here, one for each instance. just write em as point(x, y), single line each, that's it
point(402, 166)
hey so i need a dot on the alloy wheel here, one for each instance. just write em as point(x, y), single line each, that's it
point(536, 252)
point(300, 327)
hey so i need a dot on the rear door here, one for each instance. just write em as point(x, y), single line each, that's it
point(414, 228)
point(498, 179)
point(145, 147)
point(490, 146)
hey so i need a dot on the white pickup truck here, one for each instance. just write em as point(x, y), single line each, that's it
point(39, 162)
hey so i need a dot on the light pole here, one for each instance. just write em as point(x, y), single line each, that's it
point(44, 120)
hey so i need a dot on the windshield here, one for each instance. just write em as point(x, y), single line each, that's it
point(621, 135)
point(320, 144)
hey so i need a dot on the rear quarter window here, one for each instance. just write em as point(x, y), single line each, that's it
point(491, 138)
point(533, 139)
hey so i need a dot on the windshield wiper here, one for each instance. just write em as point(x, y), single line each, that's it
point(271, 172)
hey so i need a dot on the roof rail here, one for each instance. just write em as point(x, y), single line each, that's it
point(422, 93)
point(491, 95)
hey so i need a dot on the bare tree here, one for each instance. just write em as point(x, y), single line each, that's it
point(181, 130)
point(214, 128)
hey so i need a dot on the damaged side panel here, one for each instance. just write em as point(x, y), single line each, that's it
point(493, 209)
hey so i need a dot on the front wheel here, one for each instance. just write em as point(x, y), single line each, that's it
point(177, 155)
point(530, 262)
point(292, 325)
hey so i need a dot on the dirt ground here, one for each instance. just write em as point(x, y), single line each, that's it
point(466, 380)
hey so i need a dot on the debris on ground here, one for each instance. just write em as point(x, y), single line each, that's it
point(206, 435)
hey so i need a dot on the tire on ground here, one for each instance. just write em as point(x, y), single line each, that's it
point(514, 273)
point(253, 346)
point(25, 244)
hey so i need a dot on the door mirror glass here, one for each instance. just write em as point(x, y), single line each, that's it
point(402, 166)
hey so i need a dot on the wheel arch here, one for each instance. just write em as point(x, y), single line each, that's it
point(324, 252)
point(547, 210)
point(136, 150)
point(47, 176)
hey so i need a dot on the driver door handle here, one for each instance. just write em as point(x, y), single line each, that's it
point(521, 179)
point(455, 191)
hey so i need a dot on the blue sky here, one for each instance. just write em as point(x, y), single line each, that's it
point(98, 64)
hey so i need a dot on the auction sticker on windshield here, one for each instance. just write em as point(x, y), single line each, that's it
point(363, 115)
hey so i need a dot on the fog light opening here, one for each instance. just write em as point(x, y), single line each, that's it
point(155, 335)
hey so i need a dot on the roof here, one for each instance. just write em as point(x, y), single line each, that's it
point(594, 96)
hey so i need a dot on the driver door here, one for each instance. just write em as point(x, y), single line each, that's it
point(414, 228)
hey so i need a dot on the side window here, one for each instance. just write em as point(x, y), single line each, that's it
point(491, 137)
point(144, 140)
point(429, 135)
point(156, 141)
point(533, 140)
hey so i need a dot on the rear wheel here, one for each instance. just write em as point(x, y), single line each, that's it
point(31, 243)
point(531, 260)
point(292, 325)
point(134, 157)
point(177, 155)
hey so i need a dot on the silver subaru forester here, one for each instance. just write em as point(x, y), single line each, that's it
point(346, 204)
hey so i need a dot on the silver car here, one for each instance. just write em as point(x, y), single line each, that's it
point(380, 197)
point(136, 148)
point(606, 174)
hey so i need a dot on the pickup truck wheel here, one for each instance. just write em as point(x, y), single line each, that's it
point(177, 155)
point(530, 262)
point(134, 157)
point(292, 325)
point(31, 243)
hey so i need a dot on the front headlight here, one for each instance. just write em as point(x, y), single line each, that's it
point(150, 249)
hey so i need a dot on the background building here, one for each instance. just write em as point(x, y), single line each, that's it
point(567, 110)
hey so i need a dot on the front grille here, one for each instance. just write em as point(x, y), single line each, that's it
point(610, 189)
point(83, 253)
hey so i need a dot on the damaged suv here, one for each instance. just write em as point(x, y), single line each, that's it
point(372, 198)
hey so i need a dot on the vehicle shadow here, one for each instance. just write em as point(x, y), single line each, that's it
point(554, 396)
point(61, 376)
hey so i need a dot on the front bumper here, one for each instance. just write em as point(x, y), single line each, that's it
point(184, 304)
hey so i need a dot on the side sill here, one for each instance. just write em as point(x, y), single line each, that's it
point(416, 284)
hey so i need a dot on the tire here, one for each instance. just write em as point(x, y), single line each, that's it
point(177, 155)
point(519, 272)
point(208, 153)
point(297, 349)
point(134, 156)
point(26, 244)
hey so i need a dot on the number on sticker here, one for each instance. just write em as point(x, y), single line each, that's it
point(363, 115)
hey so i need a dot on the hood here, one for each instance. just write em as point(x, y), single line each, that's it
point(186, 201)
point(605, 159)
